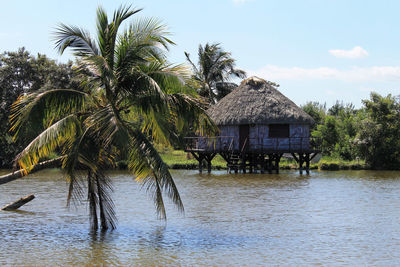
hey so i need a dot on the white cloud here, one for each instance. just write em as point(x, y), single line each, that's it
point(356, 52)
point(240, 2)
point(354, 74)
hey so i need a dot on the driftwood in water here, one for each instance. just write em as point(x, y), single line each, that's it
point(52, 163)
point(16, 204)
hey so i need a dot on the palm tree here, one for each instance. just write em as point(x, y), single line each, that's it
point(214, 72)
point(129, 97)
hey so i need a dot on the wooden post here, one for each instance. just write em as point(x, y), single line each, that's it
point(308, 163)
point(301, 160)
point(262, 163)
point(201, 158)
point(251, 163)
point(277, 160)
point(243, 163)
point(208, 158)
point(16, 204)
point(269, 163)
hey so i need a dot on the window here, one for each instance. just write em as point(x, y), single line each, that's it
point(278, 131)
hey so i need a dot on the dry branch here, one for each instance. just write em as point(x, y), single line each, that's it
point(16, 204)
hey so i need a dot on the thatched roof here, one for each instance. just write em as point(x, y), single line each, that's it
point(255, 101)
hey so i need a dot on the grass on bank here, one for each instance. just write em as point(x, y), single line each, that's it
point(333, 164)
point(178, 159)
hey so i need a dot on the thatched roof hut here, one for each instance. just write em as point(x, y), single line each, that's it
point(257, 126)
point(255, 101)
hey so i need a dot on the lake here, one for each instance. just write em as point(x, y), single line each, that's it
point(327, 218)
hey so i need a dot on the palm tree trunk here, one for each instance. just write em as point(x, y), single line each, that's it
point(52, 163)
point(103, 220)
point(94, 224)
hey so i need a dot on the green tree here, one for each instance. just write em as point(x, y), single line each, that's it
point(345, 116)
point(378, 136)
point(328, 135)
point(316, 110)
point(130, 96)
point(20, 73)
point(214, 71)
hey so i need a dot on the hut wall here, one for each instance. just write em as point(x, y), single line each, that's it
point(299, 138)
point(258, 138)
point(227, 133)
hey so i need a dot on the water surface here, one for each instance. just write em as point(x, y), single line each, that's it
point(328, 218)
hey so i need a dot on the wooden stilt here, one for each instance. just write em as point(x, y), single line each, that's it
point(270, 163)
point(301, 160)
point(201, 159)
point(277, 160)
point(308, 163)
point(200, 166)
point(251, 163)
point(262, 163)
point(243, 163)
point(208, 158)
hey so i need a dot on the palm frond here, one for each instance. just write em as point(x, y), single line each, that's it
point(45, 143)
point(106, 206)
point(44, 107)
point(149, 168)
point(194, 67)
point(190, 109)
point(105, 128)
point(108, 31)
point(75, 38)
point(151, 31)
point(71, 160)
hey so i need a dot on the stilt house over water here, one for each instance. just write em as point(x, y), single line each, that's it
point(257, 126)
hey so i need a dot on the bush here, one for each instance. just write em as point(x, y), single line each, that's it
point(328, 166)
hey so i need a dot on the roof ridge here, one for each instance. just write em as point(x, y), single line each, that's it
point(271, 107)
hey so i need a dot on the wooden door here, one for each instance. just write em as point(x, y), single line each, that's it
point(244, 131)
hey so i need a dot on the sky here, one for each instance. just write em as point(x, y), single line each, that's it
point(317, 50)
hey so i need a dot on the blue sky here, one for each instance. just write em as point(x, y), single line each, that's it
point(317, 50)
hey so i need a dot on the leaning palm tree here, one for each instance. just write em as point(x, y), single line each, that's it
point(214, 72)
point(129, 98)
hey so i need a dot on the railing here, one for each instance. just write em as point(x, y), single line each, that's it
point(217, 143)
point(231, 143)
point(276, 144)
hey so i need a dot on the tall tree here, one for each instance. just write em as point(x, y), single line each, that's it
point(21, 72)
point(129, 97)
point(379, 131)
point(214, 72)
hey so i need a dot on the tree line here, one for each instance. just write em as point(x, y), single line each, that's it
point(370, 133)
point(343, 132)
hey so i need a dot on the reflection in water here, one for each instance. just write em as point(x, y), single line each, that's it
point(22, 212)
point(328, 218)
